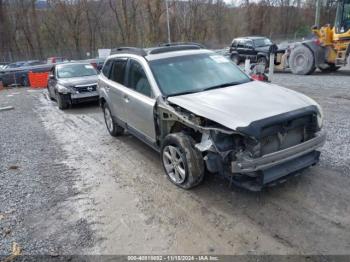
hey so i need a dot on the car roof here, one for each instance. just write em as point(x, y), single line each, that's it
point(251, 37)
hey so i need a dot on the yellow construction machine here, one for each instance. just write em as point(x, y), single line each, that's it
point(328, 50)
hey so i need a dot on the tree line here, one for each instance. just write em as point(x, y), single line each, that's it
point(77, 28)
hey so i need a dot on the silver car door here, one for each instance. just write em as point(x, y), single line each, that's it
point(139, 101)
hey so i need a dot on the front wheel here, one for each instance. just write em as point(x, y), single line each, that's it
point(262, 61)
point(235, 59)
point(113, 128)
point(302, 61)
point(62, 101)
point(182, 162)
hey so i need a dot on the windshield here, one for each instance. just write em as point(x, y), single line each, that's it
point(342, 22)
point(262, 42)
point(75, 70)
point(195, 73)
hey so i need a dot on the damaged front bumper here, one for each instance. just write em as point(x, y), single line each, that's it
point(248, 165)
point(276, 167)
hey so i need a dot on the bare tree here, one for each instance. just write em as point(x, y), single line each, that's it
point(73, 27)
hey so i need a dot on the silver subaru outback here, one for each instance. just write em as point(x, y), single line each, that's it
point(204, 115)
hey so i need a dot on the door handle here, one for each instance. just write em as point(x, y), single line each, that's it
point(126, 99)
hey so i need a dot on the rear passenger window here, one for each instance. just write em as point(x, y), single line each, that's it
point(117, 73)
point(138, 80)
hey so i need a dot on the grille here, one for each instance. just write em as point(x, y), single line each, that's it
point(287, 134)
point(83, 89)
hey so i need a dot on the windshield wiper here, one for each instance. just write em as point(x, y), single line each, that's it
point(222, 86)
point(186, 93)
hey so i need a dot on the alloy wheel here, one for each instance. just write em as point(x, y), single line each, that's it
point(108, 119)
point(174, 164)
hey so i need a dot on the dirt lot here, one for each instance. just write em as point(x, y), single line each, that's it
point(68, 187)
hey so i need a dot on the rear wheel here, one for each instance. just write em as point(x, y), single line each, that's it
point(182, 162)
point(302, 61)
point(113, 128)
point(329, 68)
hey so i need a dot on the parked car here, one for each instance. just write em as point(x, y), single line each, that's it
point(18, 76)
point(72, 83)
point(3, 65)
point(200, 111)
point(255, 48)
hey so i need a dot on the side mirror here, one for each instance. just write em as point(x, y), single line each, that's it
point(51, 76)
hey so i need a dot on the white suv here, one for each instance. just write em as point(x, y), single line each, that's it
point(203, 114)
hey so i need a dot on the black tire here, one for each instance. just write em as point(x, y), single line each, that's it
point(62, 101)
point(329, 68)
point(235, 59)
point(262, 60)
point(113, 128)
point(192, 160)
point(25, 82)
point(302, 61)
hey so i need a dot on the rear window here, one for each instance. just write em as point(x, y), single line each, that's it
point(106, 68)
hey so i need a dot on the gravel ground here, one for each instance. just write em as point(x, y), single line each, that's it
point(67, 187)
point(37, 194)
point(332, 92)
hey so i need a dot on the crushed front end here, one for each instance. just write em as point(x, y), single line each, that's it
point(267, 151)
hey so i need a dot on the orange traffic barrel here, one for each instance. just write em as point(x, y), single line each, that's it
point(38, 80)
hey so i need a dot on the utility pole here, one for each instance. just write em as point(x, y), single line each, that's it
point(167, 19)
point(318, 13)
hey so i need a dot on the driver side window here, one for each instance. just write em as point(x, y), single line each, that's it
point(137, 79)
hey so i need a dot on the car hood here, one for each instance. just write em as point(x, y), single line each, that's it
point(84, 80)
point(264, 49)
point(236, 107)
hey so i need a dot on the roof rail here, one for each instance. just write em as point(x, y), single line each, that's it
point(182, 44)
point(172, 48)
point(129, 50)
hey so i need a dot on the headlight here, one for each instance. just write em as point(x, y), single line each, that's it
point(62, 89)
